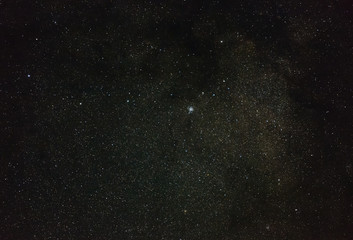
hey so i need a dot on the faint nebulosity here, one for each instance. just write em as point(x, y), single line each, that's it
point(176, 119)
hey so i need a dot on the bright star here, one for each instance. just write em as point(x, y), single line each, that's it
point(190, 109)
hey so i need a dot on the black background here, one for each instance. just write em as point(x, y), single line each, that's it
point(97, 141)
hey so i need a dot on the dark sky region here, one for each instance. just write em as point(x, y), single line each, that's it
point(176, 119)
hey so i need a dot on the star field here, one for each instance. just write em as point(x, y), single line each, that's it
point(176, 120)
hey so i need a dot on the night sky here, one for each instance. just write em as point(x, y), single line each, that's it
point(178, 119)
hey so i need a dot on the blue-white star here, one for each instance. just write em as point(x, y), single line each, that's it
point(190, 109)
